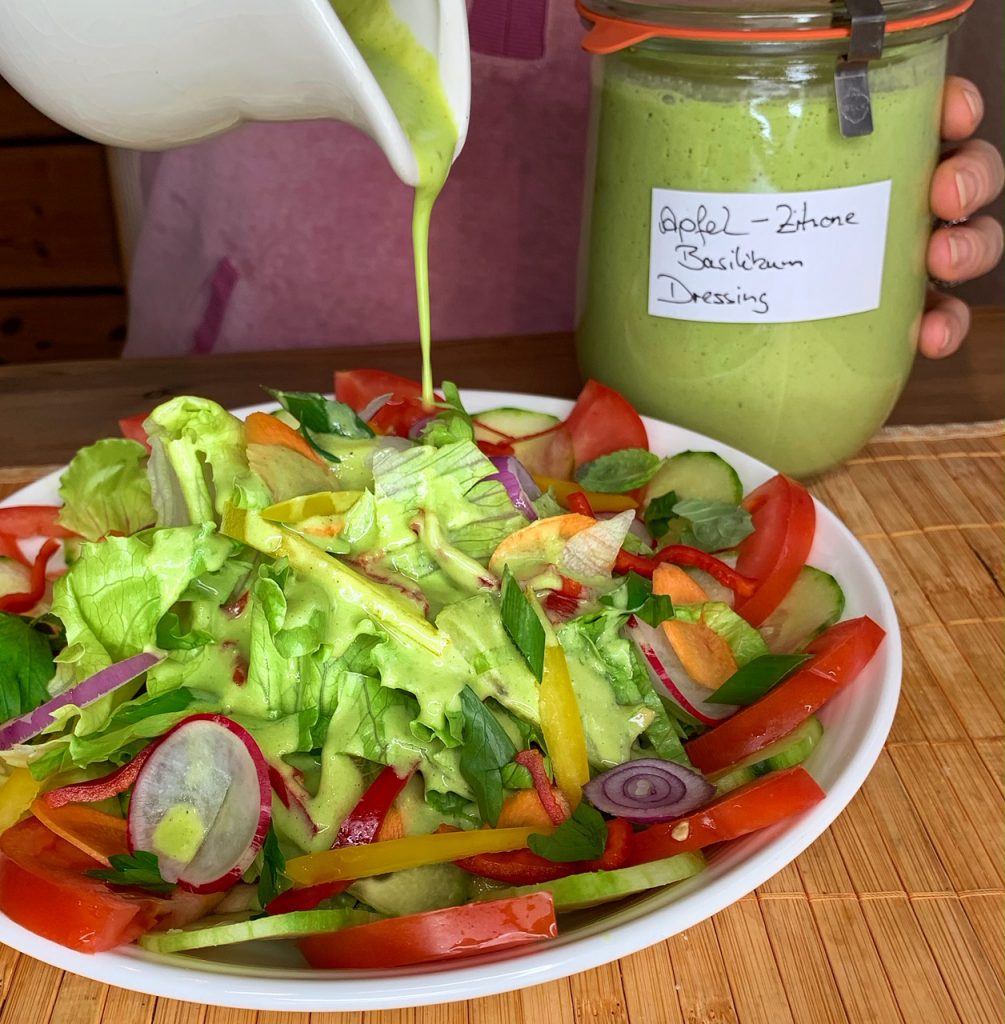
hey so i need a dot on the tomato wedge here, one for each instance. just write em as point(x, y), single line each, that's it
point(399, 414)
point(838, 657)
point(436, 935)
point(131, 427)
point(44, 887)
point(784, 519)
point(761, 803)
point(602, 421)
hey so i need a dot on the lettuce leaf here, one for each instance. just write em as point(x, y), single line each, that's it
point(198, 463)
point(105, 489)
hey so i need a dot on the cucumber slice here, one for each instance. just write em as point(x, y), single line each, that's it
point(815, 602)
point(511, 422)
point(414, 890)
point(577, 892)
point(783, 753)
point(279, 926)
point(697, 475)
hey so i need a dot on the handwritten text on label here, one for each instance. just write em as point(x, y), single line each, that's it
point(739, 257)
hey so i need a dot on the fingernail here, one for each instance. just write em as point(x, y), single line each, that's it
point(973, 98)
point(960, 249)
point(966, 188)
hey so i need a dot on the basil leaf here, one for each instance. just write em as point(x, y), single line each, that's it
point(713, 525)
point(139, 870)
point(659, 512)
point(522, 624)
point(26, 667)
point(581, 837)
point(319, 415)
point(272, 880)
point(756, 678)
point(485, 753)
point(640, 600)
point(619, 471)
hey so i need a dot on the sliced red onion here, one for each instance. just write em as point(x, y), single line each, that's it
point(416, 429)
point(20, 730)
point(669, 676)
point(592, 551)
point(373, 407)
point(519, 484)
point(210, 776)
point(649, 791)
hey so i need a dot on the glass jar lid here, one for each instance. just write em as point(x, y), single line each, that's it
point(617, 24)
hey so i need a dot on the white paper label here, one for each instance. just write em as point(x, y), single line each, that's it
point(773, 258)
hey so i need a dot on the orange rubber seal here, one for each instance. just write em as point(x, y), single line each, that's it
point(608, 33)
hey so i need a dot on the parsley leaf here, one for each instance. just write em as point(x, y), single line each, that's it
point(486, 751)
point(639, 600)
point(139, 870)
point(26, 666)
point(452, 424)
point(581, 837)
point(272, 880)
point(319, 415)
point(522, 624)
point(619, 471)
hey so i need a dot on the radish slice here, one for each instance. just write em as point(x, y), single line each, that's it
point(669, 677)
point(20, 730)
point(202, 803)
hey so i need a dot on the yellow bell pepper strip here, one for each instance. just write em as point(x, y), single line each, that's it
point(598, 502)
point(16, 796)
point(342, 582)
point(400, 854)
point(562, 727)
point(307, 506)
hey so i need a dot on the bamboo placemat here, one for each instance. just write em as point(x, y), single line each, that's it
point(894, 915)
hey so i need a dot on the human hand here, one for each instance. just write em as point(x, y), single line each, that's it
point(968, 179)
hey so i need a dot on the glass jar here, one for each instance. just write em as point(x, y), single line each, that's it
point(753, 255)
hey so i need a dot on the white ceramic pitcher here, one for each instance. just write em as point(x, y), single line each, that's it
point(153, 74)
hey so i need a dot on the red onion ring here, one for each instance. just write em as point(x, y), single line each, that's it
point(649, 791)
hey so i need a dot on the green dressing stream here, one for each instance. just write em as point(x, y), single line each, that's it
point(409, 76)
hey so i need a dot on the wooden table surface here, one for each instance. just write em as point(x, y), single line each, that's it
point(52, 409)
point(893, 916)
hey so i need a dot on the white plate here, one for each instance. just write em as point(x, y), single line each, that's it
point(270, 975)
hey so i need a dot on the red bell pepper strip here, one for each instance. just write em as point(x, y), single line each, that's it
point(9, 548)
point(32, 521)
point(761, 803)
point(682, 554)
point(554, 803)
point(578, 502)
point(524, 867)
point(19, 604)
point(93, 790)
point(360, 827)
point(306, 898)
point(839, 655)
